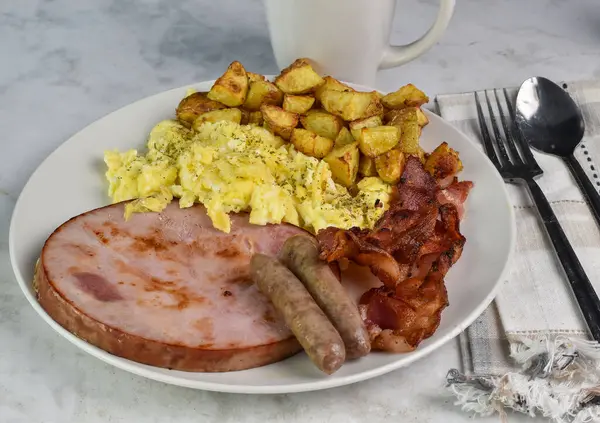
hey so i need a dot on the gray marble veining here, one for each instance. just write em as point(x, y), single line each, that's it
point(64, 64)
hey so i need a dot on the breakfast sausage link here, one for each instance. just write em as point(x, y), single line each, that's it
point(306, 320)
point(301, 255)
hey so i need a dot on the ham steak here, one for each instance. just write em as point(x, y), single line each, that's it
point(165, 289)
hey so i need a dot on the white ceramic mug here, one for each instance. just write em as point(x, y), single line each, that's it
point(348, 39)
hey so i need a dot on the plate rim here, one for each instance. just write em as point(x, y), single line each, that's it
point(327, 383)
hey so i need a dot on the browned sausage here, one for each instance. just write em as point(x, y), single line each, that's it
point(301, 255)
point(306, 320)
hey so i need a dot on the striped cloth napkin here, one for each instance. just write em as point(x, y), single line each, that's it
point(529, 350)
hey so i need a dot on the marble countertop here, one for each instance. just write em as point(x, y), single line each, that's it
point(64, 64)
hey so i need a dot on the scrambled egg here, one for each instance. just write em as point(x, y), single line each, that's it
point(231, 168)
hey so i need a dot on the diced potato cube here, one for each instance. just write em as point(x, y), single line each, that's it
point(298, 78)
point(343, 162)
point(262, 92)
point(255, 118)
point(443, 162)
point(376, 141)
point(232, 115)
point(310, 143)
point(390, 165)
point(297, 103)
point(422, 118)
point(407, 122)
point(357, 125)
point(406, 96)
point(194, 105)
point(253, 77)
point(331, 84)
point(366, 166)
point(396, 116)
point(231, 88)
point(350, 105)
point(279, 121)
point(322, 123)
point(344, 137)
point(409, 143)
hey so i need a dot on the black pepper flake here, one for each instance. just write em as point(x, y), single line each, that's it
point(402, 180)
point(227, 294)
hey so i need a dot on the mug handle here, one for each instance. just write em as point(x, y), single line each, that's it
point(397, 55)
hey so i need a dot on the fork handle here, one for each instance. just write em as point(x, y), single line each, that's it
point(585, 185)
point(580, 284)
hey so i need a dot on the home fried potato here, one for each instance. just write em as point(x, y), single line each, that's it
point(232, 87)
point(396, 116)
point(262, 92)
point(422, 118)
point(381, 139)
point(255, 118)
point(443, 162)
point(351, 105)
point(344, 137)
point(310, 143)
point(253, 77)
point(343, 162)
point(331, 84)
point(409, 142)
point(407, 122)
point(406, 96)
point(233, 115)
point(357, 125)
point(390, 165)
point(194, 105)
point(297, 103)
point(366, 166)
point(279, 121)
point(322, 123)
point(298, 78)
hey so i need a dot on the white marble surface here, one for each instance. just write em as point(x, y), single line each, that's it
point(64, 64)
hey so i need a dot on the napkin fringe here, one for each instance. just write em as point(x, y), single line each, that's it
point(559, 379)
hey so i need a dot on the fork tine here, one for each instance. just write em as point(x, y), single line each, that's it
point(487, 140)
point(510, 141)
point(495, 128)
point(525, 149)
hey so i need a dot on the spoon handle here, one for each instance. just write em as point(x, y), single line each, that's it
point(580, 284)
point(585, 185)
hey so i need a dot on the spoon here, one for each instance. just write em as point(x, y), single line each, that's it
point(552, 123)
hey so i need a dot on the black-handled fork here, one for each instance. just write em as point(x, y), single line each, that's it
point(513, 158)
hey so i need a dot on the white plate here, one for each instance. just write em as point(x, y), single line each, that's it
point(71, 181)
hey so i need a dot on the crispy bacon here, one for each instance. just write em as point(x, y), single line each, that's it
point(337, 244)
point(456, 193)
point(410, 249)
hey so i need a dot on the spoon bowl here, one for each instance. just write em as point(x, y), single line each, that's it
point(551, 122)
point(548, 117)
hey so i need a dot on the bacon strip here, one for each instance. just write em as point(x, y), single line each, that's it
point(410, 249)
